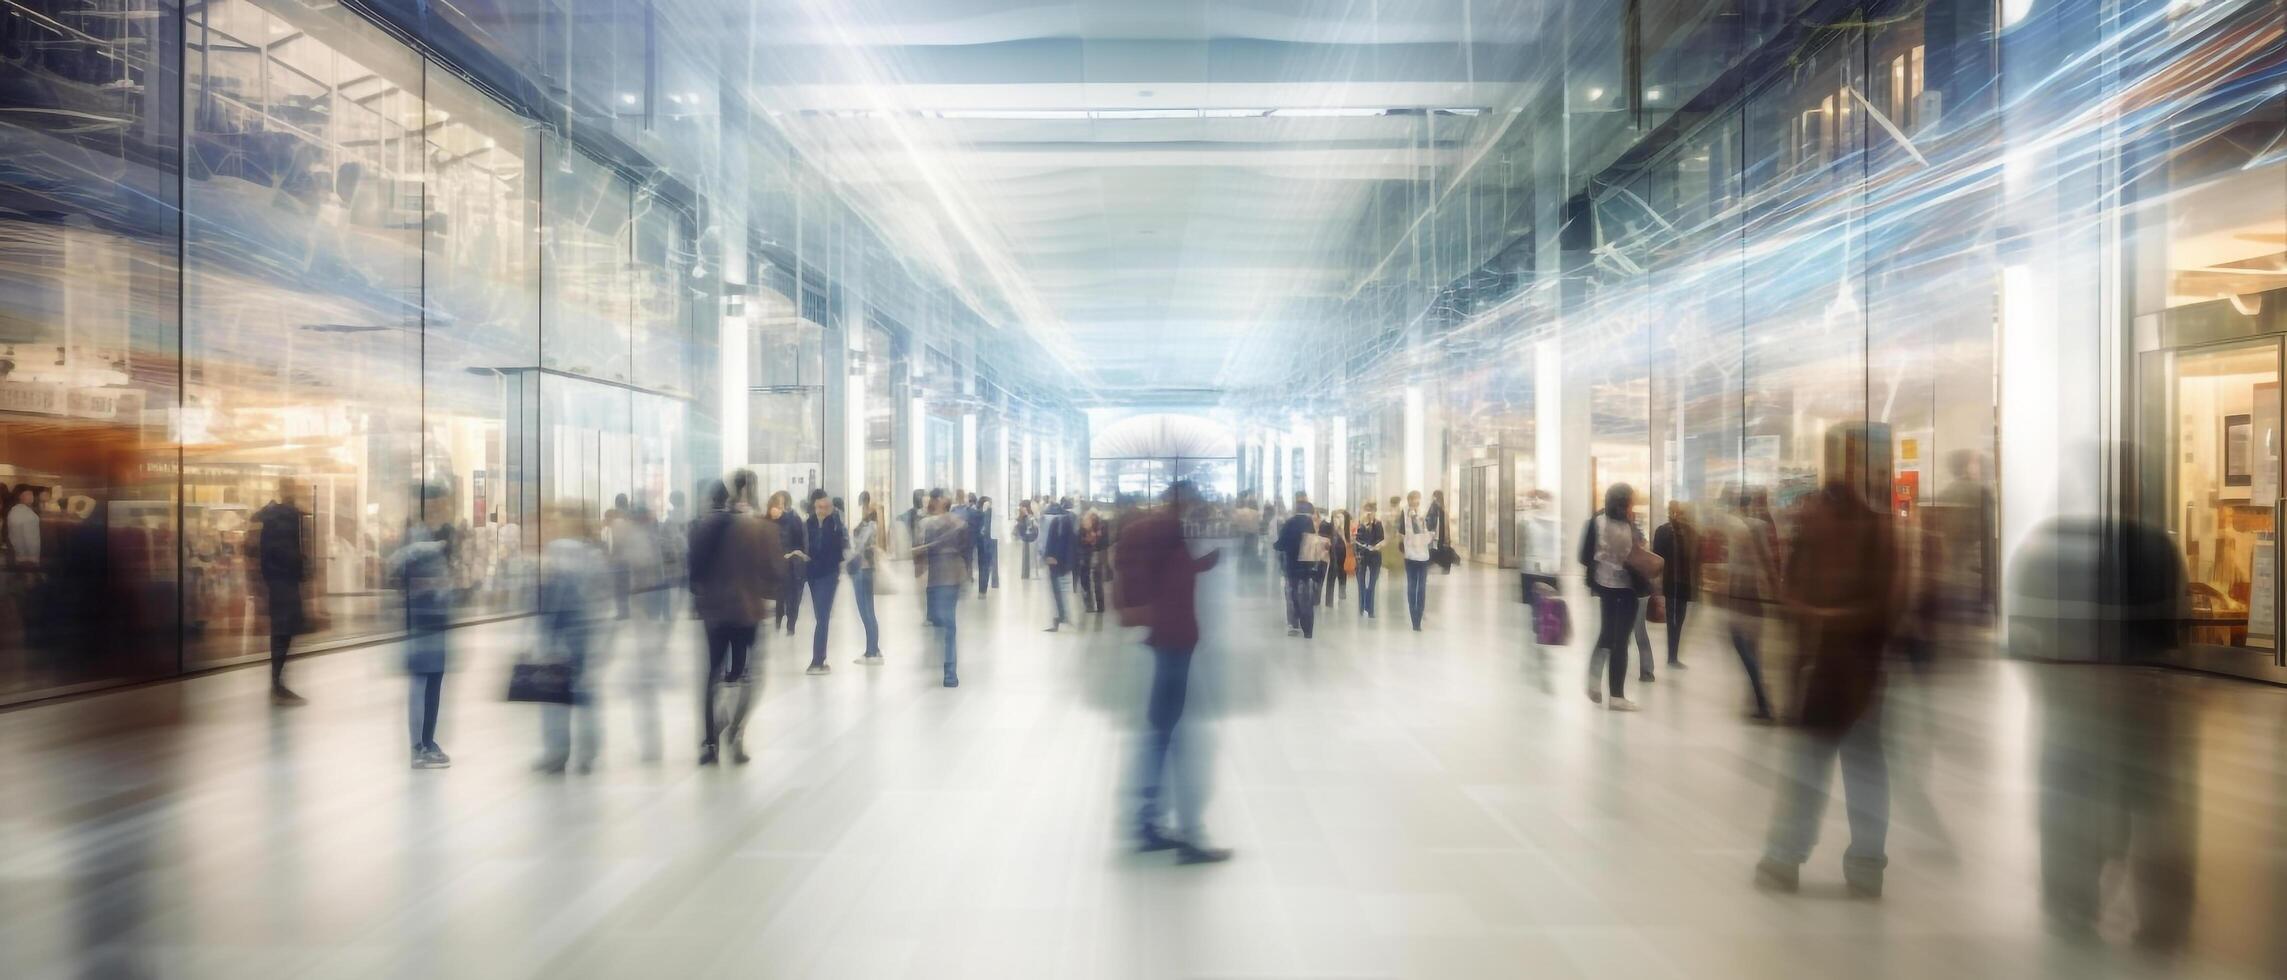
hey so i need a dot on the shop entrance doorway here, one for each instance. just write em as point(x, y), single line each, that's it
point(2214, 413)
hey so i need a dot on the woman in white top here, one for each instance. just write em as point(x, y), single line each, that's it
point(1605, 545)
point(1415, 535)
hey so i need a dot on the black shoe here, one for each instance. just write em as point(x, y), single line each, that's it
point(1646, 677)
point(1194, 854)
point(284, 698)
point(707, 755)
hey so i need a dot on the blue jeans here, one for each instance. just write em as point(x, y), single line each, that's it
point(1059, 581)
point(1369, 574)
point(1865, 797)
point(1417, 589)
point(943, 599)
point(822, 607)
point(571, 645)
point(1747, 638)
point(1161, 763)
point(862, 590)
point(988, 564)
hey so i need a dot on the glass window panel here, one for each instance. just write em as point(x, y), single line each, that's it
point(587, 451)
point(1805, 357)
point(786, 434)
point(586, 288)
point(664, 261)
point(481, 336)
point(88, 341)
point(301, 298)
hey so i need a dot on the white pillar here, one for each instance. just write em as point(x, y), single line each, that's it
point(1548, 421)
point(917, 409)
point(1030, 487)
point(969, 451)
point(854, 419)
point(1417, 450)
point(734, 384)
point(1306, 435)
point(1338, 469)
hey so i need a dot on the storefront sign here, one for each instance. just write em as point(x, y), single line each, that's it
point(32, 398)
point(94, 403)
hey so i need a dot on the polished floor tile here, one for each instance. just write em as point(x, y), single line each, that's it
point(1442, 804)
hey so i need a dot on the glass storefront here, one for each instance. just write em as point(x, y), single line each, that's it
point(2206, 264)
point(345, 300)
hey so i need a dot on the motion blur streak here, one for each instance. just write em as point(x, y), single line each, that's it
point(1095, 488)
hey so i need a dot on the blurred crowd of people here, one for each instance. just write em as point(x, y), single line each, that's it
point(1848, 584)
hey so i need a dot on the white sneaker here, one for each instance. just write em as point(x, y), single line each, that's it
point(870, 660)
point(1293, 631)
point(819, 669)
point(1622, 704)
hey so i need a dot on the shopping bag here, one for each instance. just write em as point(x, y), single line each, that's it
point(540, 683)
point(1552, 623)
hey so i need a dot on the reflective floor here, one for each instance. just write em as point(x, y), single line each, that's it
point(1440, 804)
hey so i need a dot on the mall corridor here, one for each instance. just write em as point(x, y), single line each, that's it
point(881, 488)
point(1439, 805)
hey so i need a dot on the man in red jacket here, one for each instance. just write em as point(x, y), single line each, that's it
point(1157, 585)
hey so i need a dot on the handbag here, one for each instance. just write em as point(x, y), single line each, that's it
point(540, 682)
point(1657, 611)
point(1645, 565)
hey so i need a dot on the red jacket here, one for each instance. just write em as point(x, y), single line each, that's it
point(1157, 581)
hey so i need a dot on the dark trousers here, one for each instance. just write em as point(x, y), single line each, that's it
point(428, 692)
point(1084, 582)
point(279, 644)
point(1417, 589)
point(728, 648)
point(1618, 608)
point(790, 597)
point(822, 606)
point(1677, 606)
point(1369, 575)
point(1170, 682)
point(1302, 598)
point(988, 565)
